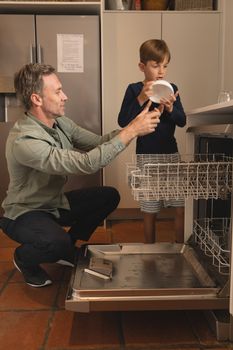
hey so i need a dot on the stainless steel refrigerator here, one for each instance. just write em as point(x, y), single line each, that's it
point(72, 45)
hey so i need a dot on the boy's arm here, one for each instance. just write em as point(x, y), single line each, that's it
point(177, 115)
point(130, 107)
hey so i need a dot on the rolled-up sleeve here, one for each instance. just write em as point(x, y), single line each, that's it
point(39, 154)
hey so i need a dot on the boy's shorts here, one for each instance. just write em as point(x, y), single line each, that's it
point(155, 206)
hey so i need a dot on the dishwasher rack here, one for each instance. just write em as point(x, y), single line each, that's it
point(199, 176)
point(212, 236)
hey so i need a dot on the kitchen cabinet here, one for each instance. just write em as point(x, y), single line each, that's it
point(194, 41)
point(38, 40)
point(16, 45)
point(123, 33)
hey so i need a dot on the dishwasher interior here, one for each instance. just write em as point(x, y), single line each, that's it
point(162, 276)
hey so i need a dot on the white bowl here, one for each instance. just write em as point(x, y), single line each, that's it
point(161, 89)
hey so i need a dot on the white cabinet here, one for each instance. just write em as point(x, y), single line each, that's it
point(123, 33)
point(194, 41)
point(227, 81)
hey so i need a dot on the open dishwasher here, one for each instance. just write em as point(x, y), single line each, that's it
point(162, 276)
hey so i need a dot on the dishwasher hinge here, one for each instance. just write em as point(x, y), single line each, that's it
point(225, 291)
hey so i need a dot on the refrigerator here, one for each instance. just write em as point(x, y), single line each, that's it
point(71, 44)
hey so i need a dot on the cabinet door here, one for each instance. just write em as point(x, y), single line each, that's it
point(17, 39)
point(123, 33)
point(83, 87)
point(194, 41)
point(4, 176)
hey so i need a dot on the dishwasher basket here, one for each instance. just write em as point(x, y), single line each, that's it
point(213, 237)
point(199, 176)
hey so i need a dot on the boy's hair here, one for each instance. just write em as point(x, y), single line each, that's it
point(154, 50)
point(28, 80)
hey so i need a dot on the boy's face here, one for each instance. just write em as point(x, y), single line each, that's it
point(153, 70)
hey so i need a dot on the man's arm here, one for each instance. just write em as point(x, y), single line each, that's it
point(145, 123)
point(39, 154)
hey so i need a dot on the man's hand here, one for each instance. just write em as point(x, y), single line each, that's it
point(145, 123)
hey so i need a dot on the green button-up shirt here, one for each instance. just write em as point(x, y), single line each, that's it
point(39, 159)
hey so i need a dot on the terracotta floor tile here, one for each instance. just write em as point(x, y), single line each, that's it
point(84, 331)
point(226, 346)
point(20, 296)
point(133, 231)
point(157, 328)
point(165, 231)
point(5, 241)
point(6, 270)
point(127, 231)
point(60, 302)
point(201, 328)
point(101, 235)
point(162, 347)
point(23, 330)
point(6, 254)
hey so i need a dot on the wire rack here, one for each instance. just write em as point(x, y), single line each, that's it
point(212, 235)
point(199, 176)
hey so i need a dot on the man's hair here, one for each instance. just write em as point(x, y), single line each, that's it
point(28, 80)
point(154, 50)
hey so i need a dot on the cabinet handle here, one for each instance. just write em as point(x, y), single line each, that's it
point(6, 108)
point(39, 53)
point(32, 53)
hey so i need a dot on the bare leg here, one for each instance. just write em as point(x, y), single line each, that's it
point(179, 224)
point(149, 227)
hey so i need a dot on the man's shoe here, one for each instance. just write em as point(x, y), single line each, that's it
point(72, 261)
point(65, 263)
point(34, 276)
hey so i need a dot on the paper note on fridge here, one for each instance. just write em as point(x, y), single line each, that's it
point(70, 53)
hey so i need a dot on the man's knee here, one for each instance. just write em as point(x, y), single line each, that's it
point(55, 246)
point(112, 196)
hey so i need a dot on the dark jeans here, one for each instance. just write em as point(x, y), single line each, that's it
point(41, 235)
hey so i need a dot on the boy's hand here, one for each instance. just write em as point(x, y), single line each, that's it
point(146, 92)
point(168, 102)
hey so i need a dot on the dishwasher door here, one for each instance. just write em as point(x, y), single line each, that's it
point(160, 276)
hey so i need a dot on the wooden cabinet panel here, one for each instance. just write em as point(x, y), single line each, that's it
point(194, 41)
point(123, 33)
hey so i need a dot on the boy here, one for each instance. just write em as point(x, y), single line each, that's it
point(159, 146)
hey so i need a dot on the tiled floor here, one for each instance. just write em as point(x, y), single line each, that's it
point(36, 319)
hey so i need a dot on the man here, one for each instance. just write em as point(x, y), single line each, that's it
point(43, 148)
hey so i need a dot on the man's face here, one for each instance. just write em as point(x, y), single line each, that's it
point(53, 98)
point(153, 70)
